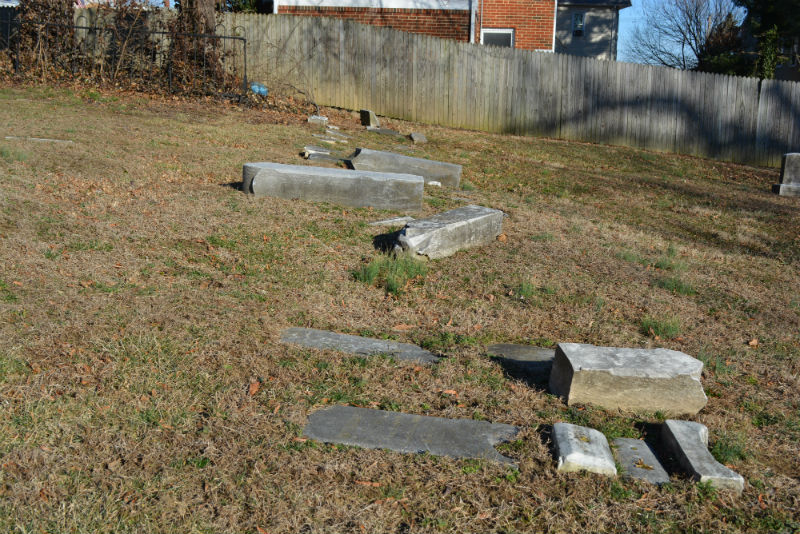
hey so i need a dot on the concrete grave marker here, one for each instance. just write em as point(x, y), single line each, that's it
point(418, 138)
point(638, 380)
point(318, 120)
point(324, 340)
point(384, 131)
point(582, 449)
point(368, 118)
point(790, 176)
point(448, 174)
point(533, 362)
point(338, 186)
point(445, 234)
point(378, 429)
point(639, 462)
point(688, 442)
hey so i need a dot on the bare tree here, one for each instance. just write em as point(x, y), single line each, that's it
point(674, 33)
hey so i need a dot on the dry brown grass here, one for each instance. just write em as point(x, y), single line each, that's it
point(140, 297)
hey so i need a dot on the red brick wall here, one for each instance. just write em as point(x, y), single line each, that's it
point(449, 24)
point(532, 21)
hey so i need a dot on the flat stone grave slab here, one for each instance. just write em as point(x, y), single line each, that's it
point(418, 138)
point(639, 462)
point(687, 441)
point(322, 339)
point(790, 176)
point(446, 233)
point(368, 118)
point(384, 131)
point(378, 429)
point(533, 363)
point(636, 380)
point(579, 448)
point(448, 174)
point(318, 120)
point(339, 186)
point(394, 221)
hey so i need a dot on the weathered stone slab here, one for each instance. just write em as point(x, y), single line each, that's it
point(636, 380)
point(418, 138)
point(444, 234)
point(322, 339)
point(448, 174)
point(639, 462)
point(368, 118)
point(337, 135)
point(318, 120)
point(392, 222)
point(790, 176)
point(582, 449)
point(384, 131)
point(339, 186)
point(328, 139)
point(378, 429)
point(533, 362)
point(308, 149)
point(688, 443)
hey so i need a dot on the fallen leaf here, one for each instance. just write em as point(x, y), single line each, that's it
point(502, 238)
point(254, 387)
point(450, 392)
point(300, 440)
point(276, 409)
point(368, 483)
point(17, 283)
point(403, 326)
point(753, 342)
point(761, 502)
point(490, 297)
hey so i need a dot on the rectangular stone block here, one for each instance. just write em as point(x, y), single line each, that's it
point(337, 186)
point(449, 174)
point(445, 234)
point(408, 433)
point(322, 339)
point(368, 118)
point(636, 380)
point(533, 363)
point(790, 176)
point(318, 120)
point(582, 449)
point(688, 443)
point(639, 462)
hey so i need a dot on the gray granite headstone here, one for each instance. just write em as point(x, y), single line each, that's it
point(408, 433)
point(446, 233)
point(318, 120)
point(322, 339)
point(368, 118)
point(418, 138)
point(449, 174)
point(358, 189)
point(582, 449)
point(638, 380)
point(688, 442)
point(639, 462)
point(790, 176)
point(534, 363)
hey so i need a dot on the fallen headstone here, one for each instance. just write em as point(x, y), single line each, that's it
point(38, 139)
point(384, 131)
point(637, 380)
point(337, 134)
point(322, 339)
point(408, 433)
point(790, 176)
point(418, 138)
point(532, 362)
point(448, 174)
point(688, 443)
point(582, 449)
point(392, 222)
point(310, 149)
point(358, 189)
point(368, 118)
point(445, 234)
point(318, 120)
point(328, 139)
point(638, 461)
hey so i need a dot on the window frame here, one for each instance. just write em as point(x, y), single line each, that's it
point(509, 31)
point(579, 30)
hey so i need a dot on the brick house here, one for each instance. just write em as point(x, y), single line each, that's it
point(527, 24)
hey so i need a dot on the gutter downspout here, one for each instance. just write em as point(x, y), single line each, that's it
point(472, 21)
point(275, 7)
point(555, 15)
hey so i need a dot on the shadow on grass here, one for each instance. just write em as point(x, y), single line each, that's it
point(385, 242)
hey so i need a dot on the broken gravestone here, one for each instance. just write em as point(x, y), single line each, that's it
point(582, 449)
point(637, 380)
point(318, 120)
point(534, 363)
point(637, 461)
point(688, 443)
point(448, 174)
point(394, 221)
point(368, 118)
point(384, 131)
point(790, 176)
point(338, 186)
point(408, 433)
point(322, 339)
point(418, 138)
point(444, 234)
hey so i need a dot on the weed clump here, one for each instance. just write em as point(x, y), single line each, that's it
point(394, 274)
point(661, 327)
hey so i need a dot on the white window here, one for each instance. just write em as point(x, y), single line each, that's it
point(577, 24)
point(498, 37)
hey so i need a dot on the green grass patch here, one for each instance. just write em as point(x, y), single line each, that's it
point(729, 448)
point(661, 327)
point(5, 293)
point(675, 285)
point(12, 155)
point(394, 274)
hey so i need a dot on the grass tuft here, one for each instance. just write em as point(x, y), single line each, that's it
point(661, 327)
point(393, 274)
point(676, 285)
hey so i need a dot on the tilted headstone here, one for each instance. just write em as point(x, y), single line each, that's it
point(318, 120)
point(638, 461)
point(790, 176)
point(449, 174)
point(637, 380)
point(579, 448)
point(418, 138)
point(408, 433)
point(688, 443)
point(338, 186)
point(445, 234)
point(368, 118)
point(322, 339)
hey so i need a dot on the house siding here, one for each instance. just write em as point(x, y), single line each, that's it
point(599, 39)
point(531, 20)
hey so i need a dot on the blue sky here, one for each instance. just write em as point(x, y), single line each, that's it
point(628, 19)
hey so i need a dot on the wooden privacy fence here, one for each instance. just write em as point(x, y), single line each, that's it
point(415, 77)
